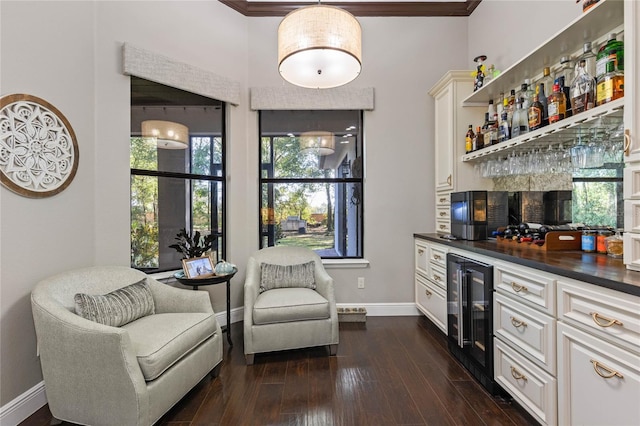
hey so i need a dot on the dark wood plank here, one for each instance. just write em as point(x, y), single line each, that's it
point(388, 371)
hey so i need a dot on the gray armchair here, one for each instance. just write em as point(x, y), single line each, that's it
point(97, 374)
point(288, 318)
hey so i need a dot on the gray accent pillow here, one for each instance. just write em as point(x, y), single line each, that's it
point(287, 276)
point(119, 307)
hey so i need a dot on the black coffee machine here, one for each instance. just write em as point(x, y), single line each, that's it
point(469, 215)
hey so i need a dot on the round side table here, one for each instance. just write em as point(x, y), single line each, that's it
point(212, 280)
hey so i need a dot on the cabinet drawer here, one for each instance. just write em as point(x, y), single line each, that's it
point(599, 383)
point(438, 276)
point(438, 255)
point(631, 178)
point(531, 331)
point(609, 314)
point(443, 212)
point(529, 286)
point(632, 250)
point(632, 216)
point(432, 301)
point(421, 257)
point(443, 199)
point(443, 226)
point(533, 388)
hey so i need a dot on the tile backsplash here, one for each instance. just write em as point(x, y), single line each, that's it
point(546, 182)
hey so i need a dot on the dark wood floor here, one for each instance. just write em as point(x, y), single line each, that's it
point(389, 371)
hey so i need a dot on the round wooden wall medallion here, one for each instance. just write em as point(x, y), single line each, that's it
point(38, 148)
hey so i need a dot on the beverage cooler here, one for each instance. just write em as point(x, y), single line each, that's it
point(470, 317)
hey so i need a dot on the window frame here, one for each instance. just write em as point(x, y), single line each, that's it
point(187, 177)
point(270, 179)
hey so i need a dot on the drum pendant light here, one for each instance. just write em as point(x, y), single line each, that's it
point(167, 134)
point(319, 47)
point(318, 142)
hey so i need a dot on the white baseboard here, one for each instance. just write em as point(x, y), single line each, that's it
point(385, 309)
point(22, 406)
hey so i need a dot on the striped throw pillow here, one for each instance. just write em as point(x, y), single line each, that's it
point(119, 307)
point(287, 276)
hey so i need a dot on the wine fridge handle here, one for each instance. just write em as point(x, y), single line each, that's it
point(459, 284)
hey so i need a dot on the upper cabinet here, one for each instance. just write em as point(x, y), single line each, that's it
point(450, 127)
point(632, 80)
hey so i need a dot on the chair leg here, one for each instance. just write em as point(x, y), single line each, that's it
point(216, 370)
point(333, 350)
point(249, 358)
point(55, 422)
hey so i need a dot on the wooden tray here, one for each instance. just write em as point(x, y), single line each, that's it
point(553, 241)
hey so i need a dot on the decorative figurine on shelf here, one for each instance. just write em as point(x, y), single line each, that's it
point(479, 74)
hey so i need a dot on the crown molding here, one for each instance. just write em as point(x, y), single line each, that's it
point(364, 8)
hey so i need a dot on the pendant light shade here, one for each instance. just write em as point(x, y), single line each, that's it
point(321, 143)
point(167, 134)
point(319, 47)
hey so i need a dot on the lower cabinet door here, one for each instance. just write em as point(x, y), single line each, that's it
point(431, 300)
point(527, 383)
point(598, 383)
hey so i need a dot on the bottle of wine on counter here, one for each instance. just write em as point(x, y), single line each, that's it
point(557, 105)
point(468, 140)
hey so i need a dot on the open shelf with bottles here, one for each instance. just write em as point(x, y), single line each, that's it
point(604, 118)
point(594, 25)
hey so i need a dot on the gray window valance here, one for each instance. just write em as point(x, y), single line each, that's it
point(160, 69)
point(298, 98)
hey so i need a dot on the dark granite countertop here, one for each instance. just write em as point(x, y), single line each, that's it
point(598, 269)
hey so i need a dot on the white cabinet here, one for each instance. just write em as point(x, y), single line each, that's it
point(451, 124)
point(598, 383)
point(524, 328)
point(431, 281)
point(632, 132)
point(598, 355)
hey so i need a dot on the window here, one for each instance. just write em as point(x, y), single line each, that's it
point(597, 196)
point(173, 189)
point(311, 181)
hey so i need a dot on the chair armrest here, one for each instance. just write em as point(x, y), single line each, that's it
point(169, 299)
point(103, 366)
point(251, 290)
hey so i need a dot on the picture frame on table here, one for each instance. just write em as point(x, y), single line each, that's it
point(198, 267)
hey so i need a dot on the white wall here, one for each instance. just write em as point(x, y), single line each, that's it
point(69, 54)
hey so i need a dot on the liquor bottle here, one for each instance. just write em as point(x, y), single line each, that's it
point(589, 59)
point(477, 139)
point(557, 104)
point(613, 51)
point(500, 106)
point(526, 93)
point(491, 110)
point(486, 137)
point(511, 105)
point(504, 132)
point(520, 123)
point(542, 99)
point(583, 90)
point(610, 86)
point(468, 140)
point(536, 113)
point(564, 76)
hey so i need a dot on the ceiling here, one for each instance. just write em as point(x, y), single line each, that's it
point(256, 8)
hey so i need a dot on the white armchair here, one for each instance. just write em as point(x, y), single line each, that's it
point(288, 318)
point(96, 374)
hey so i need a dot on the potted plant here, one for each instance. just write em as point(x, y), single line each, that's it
point(192, 245)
